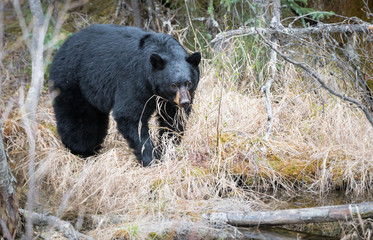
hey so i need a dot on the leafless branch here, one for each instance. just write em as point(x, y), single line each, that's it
point(331, 28)
point(272, 65)
point(64, 227)
point(28, 107)
point(150, 21)
point(62, 16)
point(308, 69)
point(367, 9)
point(40, 26)
point(4, 230)
point(22, 23)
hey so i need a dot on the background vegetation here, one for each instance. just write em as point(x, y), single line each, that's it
point(319, 151)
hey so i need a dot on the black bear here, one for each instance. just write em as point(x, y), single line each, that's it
point(123, 69)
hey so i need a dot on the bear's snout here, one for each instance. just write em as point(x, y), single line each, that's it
point(185, 103)
point(182, 97)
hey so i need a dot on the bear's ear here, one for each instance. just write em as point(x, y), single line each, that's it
point(194, 59)
point(157, 62)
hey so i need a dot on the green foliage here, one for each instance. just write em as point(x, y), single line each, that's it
point(233, 13)
point(210, 9)
point(227, 3)
point(49, 37)
point(300, 8)
point(128, 231)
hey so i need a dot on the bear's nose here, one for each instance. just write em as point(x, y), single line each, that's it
point(184, 103)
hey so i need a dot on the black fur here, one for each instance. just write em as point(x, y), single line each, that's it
point(106, 67)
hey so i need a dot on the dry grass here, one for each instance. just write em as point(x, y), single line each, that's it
point(319, 144)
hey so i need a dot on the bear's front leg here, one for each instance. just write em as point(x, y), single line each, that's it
point(141, 143)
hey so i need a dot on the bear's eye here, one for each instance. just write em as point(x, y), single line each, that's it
point(189, 84)
point(173, 86)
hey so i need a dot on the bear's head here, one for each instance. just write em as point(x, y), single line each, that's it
point(176, 79)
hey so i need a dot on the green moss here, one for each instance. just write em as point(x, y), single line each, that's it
point(129, 231)
point(167, 234)
point(51, 127)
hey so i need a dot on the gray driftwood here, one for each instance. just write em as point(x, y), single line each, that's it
point(62, 226)
point(295, 216)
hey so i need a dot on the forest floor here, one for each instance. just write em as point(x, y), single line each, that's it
point(223, 164)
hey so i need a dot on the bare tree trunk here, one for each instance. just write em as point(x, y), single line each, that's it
point(37, 49)
point(40, 25)
point(150, 15)
point(8, 197)
point(29, 106)
point(136, 13)
point(272, 67)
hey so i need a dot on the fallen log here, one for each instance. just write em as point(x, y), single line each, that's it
point(47, 220)
point(276, 233)
point(294, 216)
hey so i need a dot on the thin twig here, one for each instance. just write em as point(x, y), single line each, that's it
point(22, 23)
point(316, 76)
point(219, 115)
point(5, 229)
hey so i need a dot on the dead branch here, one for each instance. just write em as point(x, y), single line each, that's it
point(295, 216)
point(150, 21)
point(319, 29)
point(308, 69)
point(47, 220)
point(40, 26)
point(62, 16)
point(272, 65)
point(22, 23)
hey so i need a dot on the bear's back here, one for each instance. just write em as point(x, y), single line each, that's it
point(97, 59)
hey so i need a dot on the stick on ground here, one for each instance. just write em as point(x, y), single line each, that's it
point(295, 216)
point(47, 220)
